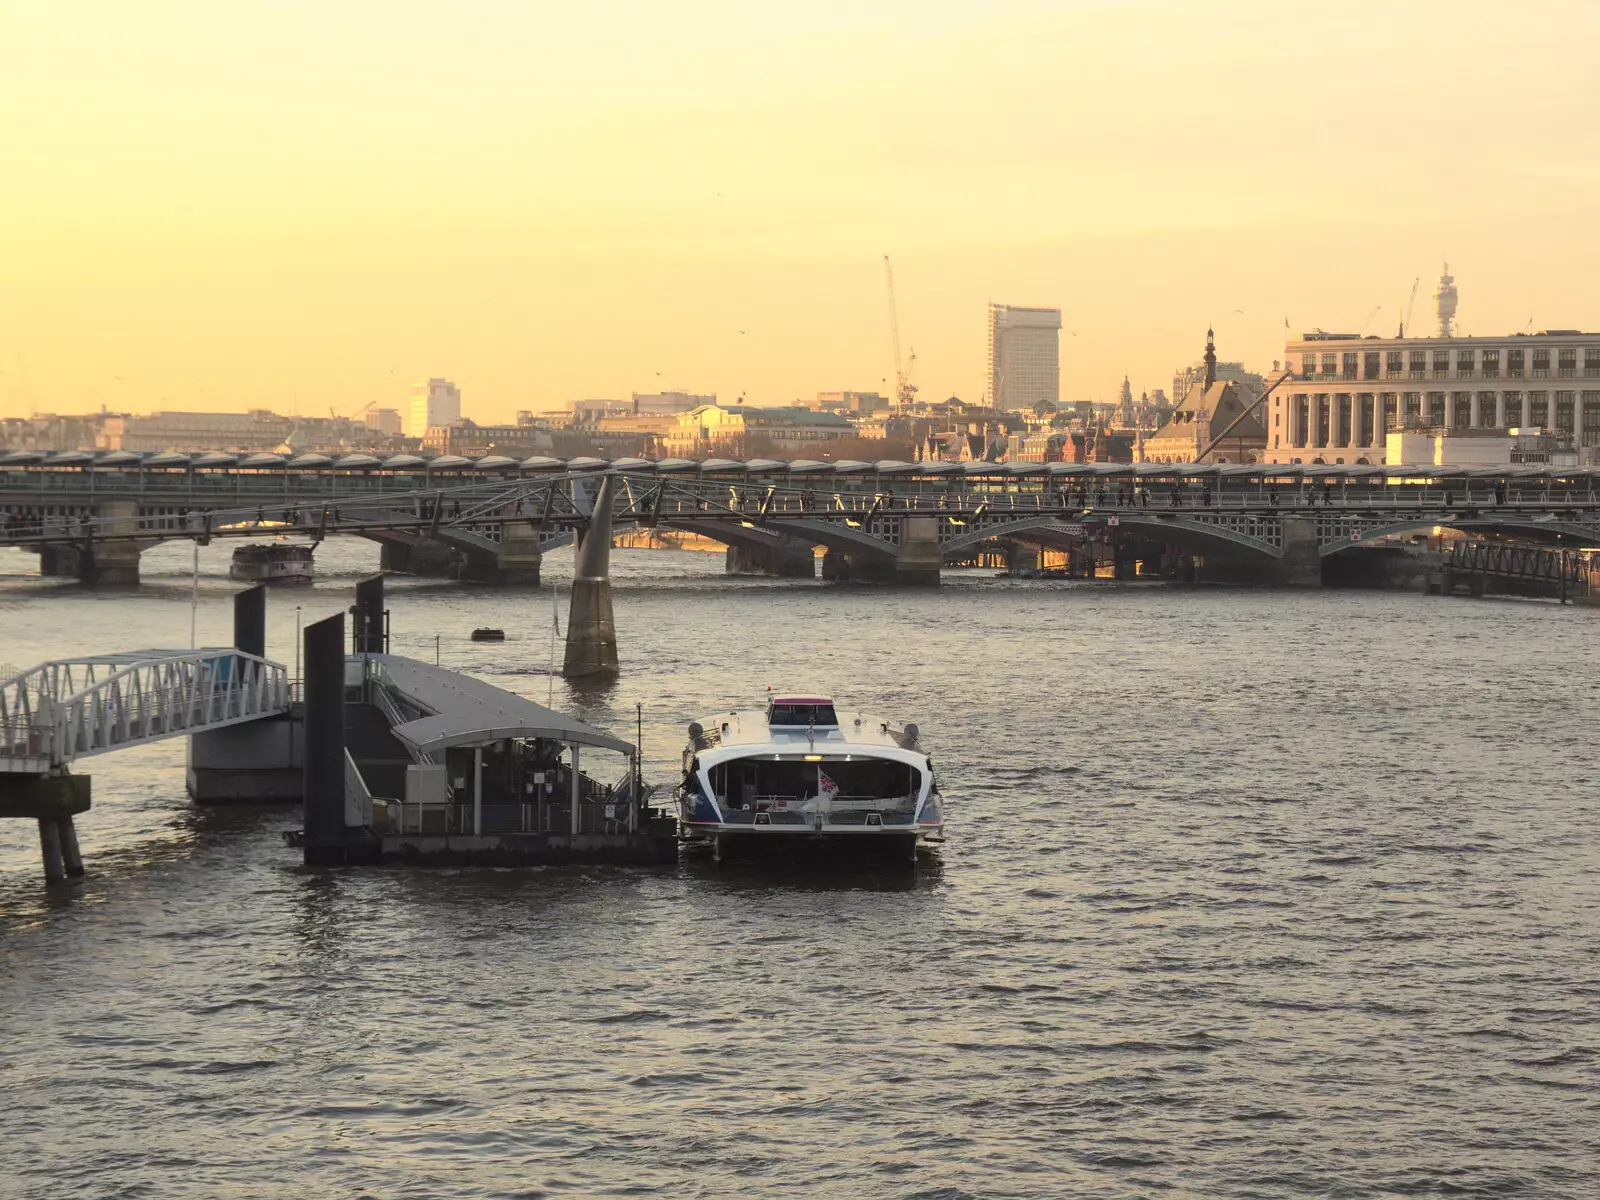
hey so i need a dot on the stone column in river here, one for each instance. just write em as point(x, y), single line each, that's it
point(591, 628)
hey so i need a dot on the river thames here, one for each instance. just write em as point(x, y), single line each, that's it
point(1247, 894)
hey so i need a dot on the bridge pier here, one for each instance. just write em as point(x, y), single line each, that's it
point(788, 559)
point(426, 557)
point(516, 565)
point(591, 625)
point(1020, 556)
point(1301, 564)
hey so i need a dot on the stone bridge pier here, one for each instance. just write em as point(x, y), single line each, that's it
point(591, 626)
point(108, 563)
point(915, 563)
point(788, 558)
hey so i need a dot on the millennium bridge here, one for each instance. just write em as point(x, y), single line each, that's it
point(90, 515)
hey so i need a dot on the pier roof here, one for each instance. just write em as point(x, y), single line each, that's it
point(466, 711)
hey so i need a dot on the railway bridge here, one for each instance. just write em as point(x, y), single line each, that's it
point(91, 515)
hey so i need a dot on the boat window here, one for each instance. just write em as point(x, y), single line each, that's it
point(801, 714)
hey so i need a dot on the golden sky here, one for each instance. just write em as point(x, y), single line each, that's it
point(308, 204)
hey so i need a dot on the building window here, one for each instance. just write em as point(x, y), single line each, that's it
point(1396, 365)
point(1591, 363)
point(1486, 410)
point(1567, 363)
point(1441, 364)
point(1349, 366)
point(1364, 419)
point(1308, 366)
point(1435, 413)
point(1591, 418)
point(1563, 414)
point(1541, 364)
point(1513, 403)
point(1464, 363)
point(1491, 364)
point(1514, 363)
point(1330, 366)
point(1460, 409)
point(1538, 409)
point(1388, 403)
point(1370, 365)
point(1419, 364)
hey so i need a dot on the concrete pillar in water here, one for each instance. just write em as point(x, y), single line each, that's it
point(71, 856)
point(834, 565)
point(113, 564)
point(787, 559)
point(50, 848)
point(1301, 564)
point(322, 784)
point(591, 626)
point(519, 560)
point(920, 558)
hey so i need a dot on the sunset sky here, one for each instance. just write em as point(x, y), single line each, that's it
point(309, 205)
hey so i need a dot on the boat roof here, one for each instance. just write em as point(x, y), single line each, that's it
point(787, 699)
point(466, 711)
point(742, 734)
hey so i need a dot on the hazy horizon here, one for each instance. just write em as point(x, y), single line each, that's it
point(286, 206)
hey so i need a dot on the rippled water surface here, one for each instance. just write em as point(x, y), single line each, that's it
point(1248, 894)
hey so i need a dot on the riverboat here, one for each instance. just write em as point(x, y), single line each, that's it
point(801, 774)
point(274, 562)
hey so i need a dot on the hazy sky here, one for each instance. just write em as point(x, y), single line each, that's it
point(296, 203)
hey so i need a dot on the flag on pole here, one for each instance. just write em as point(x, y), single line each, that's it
point(828, 786)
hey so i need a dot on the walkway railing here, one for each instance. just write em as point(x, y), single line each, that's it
point(60, 711)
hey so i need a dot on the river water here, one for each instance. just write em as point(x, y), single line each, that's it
point(1247, 894)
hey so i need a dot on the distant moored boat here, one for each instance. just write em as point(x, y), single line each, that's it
point(275, 562)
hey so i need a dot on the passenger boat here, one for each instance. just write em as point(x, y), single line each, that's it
point(274, 562)
point(803, 774)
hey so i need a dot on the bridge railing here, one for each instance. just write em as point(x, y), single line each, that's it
point(61, 711)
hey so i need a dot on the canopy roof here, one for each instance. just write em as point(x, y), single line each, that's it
point(467, 711)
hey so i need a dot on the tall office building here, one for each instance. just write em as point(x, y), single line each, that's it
point(436, 402)
point(1024, 356)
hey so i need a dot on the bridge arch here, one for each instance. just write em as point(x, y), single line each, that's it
point(1193, 532)
point(1509, 523)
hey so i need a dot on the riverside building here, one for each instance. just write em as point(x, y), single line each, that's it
point(1346, 393)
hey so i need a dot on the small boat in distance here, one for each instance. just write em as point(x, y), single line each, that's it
point(488, 635)
point(801, 774)
point(274, 562)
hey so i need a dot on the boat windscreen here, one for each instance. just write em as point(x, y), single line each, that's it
point(802, 715)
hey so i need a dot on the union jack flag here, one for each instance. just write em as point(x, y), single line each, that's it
point(829, 787)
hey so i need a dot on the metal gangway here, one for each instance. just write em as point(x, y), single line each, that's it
point(59, 711)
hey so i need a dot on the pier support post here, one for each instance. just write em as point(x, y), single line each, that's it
point(71, 855)
point(786, 559)
point(368, 626)
point(591, 626)
point(426, 557)
point(50, 848)
point(323, 782)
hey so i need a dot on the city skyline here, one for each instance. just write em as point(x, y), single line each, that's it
point(324, 231)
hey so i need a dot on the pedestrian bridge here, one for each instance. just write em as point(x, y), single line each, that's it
point(68, 709)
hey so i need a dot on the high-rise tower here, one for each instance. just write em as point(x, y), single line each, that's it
point(1444, 301)
point(1024, 356)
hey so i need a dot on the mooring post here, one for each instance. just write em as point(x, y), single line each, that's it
point(591, 627)
point(250, 621)
point(369, 616)
point(323, 781)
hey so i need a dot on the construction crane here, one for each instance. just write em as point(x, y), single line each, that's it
point(1368, 321)
point(1410, 304)
point(904, 389)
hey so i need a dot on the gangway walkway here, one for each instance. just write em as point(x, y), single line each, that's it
point(64, 710)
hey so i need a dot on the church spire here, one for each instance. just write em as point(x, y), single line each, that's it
point(1211, 358)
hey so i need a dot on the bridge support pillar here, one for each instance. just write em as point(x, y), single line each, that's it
point(114, 564)
point(71, 855)
point(788, 559)
point(835, 566)
point(1301, 564)
point(55, 870)
point(591, 626)
point(1021, 557)
point(424, 557)
point(516, 565)
point(917, 564)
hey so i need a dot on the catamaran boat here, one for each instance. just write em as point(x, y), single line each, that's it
point(801, 773)
point(276, 562)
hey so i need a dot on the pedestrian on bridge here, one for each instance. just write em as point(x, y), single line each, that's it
point(1176, 498)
